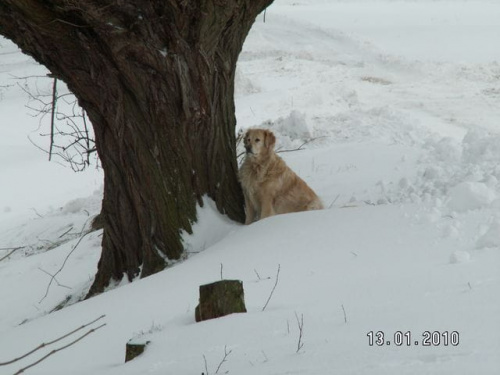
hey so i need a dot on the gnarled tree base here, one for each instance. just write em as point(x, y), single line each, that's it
point(156, 79)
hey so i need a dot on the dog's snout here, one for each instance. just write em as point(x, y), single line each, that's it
point(248, 148)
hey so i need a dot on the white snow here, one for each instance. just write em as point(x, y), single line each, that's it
point(459, 257)
point(491, 237)
point(470, 196)
point(210, 228)
point(395, 106)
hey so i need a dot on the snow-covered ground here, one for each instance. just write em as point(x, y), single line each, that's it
point(399, 102)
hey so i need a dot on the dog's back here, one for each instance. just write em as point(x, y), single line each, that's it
point(292, 194)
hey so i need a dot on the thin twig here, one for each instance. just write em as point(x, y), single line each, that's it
point(43, 345)
point(65, 260)
point(274, 287)
point(11, 252)
point(226, 354)
point(62, 126)
point(12, 76)
point(59, 349)
point(335, 200)
point(258, 276)
point(302, 145)
point(53, 116)
point(300, 324)
point(58, 283)
point(345, 315)
point(206, 367)
point(65, 233)
point(240, 155)
point(34, 210)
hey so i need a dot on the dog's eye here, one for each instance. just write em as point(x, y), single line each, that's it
point(257, 140)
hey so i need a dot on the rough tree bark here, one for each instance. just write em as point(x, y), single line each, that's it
point(157, 80)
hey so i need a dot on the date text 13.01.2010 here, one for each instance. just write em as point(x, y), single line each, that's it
point(427, 338)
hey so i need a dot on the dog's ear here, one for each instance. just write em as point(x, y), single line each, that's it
point(269, 139)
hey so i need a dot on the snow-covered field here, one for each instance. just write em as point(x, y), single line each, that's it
point(399, 102)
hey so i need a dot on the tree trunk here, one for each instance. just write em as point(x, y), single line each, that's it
point(157, 81)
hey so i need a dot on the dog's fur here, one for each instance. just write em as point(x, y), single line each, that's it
point(270, 187)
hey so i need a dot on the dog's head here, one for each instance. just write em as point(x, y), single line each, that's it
point(259, 142)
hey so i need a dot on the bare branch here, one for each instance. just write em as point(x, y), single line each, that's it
point(65, 233)
point(226, 354)
point(43, 345)
point(52, 117)
point(82, 236)
point(274, 287)
point(335, 200)
point(53, 276)
point(300, 324)
point(345, 315)
point(25, 77)
point(59, 349)
point(11, 252)
point(70, 137)
point(38, 147)
point(279, 150)
point(300, 148)
point(206, 367)
point(258, 276)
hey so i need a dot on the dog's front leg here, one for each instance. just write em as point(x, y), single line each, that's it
point(267, 208)
point(249, 211)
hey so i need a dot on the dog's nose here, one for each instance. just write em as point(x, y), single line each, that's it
point(248, 148)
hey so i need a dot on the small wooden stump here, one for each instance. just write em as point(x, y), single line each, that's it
point(134, 349)
point(219, 299)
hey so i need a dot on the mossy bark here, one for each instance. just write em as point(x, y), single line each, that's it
point(157, 81)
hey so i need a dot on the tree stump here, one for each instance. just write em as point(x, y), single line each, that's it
point(219, 299)
point(134, 349)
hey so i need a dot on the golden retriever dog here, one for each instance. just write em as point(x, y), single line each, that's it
point(270, 187)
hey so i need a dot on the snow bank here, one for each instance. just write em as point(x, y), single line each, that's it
point(470, 196)
point(210, 228)
point(459, 257)
point(491, 238)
